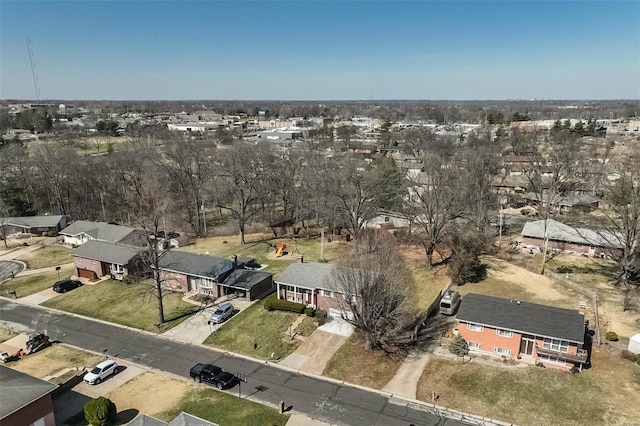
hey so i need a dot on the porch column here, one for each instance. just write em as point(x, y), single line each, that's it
point(278, 289)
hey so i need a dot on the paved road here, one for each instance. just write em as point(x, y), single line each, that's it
point(324, 400)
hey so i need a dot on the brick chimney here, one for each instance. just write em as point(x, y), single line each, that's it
point(583, 307)
point(235, 261)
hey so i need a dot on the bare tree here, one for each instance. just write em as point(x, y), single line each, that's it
point(375, 284)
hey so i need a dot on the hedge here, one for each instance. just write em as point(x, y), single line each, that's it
point(273, 304)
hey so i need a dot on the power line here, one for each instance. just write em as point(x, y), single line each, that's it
point(33, 69)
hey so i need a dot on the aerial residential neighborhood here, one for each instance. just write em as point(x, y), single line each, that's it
point(370, 213)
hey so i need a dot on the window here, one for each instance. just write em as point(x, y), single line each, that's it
point(475, 327)
point(552, 360)
point(386, 218)
point(504, 333)
point(502, 351)
point(206, 283)
point(555, 344)
point(118, 269)
point(325, 293)
point(474, 345)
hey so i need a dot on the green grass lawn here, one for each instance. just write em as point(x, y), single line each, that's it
point(224, 409)
point(30, 284)
point(52, 255)
point(260, 245)
point(125, 304)
point(257, 325)
point(355, 364)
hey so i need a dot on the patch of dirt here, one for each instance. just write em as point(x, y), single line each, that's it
point(150, 393)
point(540, 285)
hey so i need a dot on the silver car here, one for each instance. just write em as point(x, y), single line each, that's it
point(222, 313)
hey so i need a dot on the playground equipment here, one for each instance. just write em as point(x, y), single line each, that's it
point(280, 249)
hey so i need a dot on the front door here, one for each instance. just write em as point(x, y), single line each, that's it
point(526, 344)
point(191, 284)
point(592, 251)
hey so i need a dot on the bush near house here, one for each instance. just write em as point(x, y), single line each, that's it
point(274, 304)
point(100, 411)
point(612, 336)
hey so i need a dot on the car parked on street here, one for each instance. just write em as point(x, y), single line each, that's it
point(213, 375)
point(223, 313)
point(100, 372)
point(66, 285)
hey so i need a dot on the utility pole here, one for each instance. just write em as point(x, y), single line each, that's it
point(204, 219)
point(322, 245)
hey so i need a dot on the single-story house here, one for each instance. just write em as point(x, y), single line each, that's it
point(95, 259)
point(388, 220)
point(312, 284)
point(568, 239)
point(182, 419)
point(581, 202)
point(33, 224)
point(25, 400)
point(545, 334)
point(214, 276)
point(81, 231)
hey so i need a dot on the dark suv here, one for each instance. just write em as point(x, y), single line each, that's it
point(66, 285)
point(213, 375)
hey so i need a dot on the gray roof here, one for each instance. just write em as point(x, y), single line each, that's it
point(560, 232)
point(19, 390)
point(144, 420)
point(103, 251)
point(97, 230)
point(33, 221)
point(184, 419)
point(245, 278)
point(578, 200)
point(201, 265)
point(309, 275)
point(522, 317)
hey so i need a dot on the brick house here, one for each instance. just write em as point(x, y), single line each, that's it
point(553, 337)
point(96, 259)
point(213, 276)
point(568, 239)
point(311, 283)
point(25, 400)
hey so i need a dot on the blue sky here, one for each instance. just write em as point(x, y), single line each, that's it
point(321, 49)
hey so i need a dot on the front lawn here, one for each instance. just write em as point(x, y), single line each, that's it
point(608, 393)
point(53, 359)
point(355, 364)
point(224, 409)
point(6, 334)
point(267, 329)
point(126, 304)
point(43, 257)
point(30, 284)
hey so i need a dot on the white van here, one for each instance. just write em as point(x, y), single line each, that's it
point(450, 302)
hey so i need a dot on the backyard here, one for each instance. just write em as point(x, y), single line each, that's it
point(608, 393)
point(126, 304)
point(30, 284)
point(269, 330)
point(51, 255)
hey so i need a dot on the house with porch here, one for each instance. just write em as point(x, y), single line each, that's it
point(568, 239)
point(214, 276)
point(312, 284)
point(96, 259)
point(547, 335)
point(81, 231)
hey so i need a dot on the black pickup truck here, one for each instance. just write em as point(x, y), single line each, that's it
point(213, 375)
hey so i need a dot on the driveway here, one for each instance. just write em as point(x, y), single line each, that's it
point(313, 355)
point(9, 269)
point(196, 328)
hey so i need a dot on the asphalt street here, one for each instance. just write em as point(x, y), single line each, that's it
point(324, 400)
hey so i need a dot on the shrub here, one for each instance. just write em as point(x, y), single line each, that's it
point(100, 411)
point(284, 305)
point(564, 269)
point(45, 233)
point(459, 346)
point(524, 212)
point(628, 355)
point(309, 311)
point(321, 316)
point(612, 336)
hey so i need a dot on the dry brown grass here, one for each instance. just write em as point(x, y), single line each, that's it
point(6, 334)
point(54, 359)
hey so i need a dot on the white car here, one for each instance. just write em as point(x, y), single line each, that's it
point(101, 372)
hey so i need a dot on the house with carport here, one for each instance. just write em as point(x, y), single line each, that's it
point(513, 329)
point(214, 276)
point(96, 259)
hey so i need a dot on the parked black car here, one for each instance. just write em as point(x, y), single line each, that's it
point(213, 375)
point(66, 285)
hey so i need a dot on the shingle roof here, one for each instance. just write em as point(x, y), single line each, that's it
point(33, 221)
point(98, 230)
point(144, 420)
point(194, 264)
point(309, 275)
point(19, 390)
point(578, 200)
point(245, 278)
point(523, 317)
point(560, 232)
point(107, 252)
point(184, 419)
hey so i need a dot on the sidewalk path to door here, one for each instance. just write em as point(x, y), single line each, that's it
point(405, 382)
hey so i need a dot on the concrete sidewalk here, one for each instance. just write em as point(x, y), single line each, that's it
point(302, 420)
point(41, 270)
point(405, 382)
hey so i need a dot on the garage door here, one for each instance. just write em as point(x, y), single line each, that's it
point(337, 313)
point(85, 273)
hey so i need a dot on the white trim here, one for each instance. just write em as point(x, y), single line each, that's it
point(501, 351)
point(504, 333)
point(476, 327)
